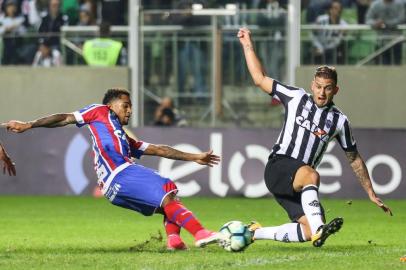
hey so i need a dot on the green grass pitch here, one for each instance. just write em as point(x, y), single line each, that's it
point(87, 233)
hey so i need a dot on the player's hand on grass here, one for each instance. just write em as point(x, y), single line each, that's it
point(16, 126)
point(207, 158)
point(8, 164)
point(380, 203)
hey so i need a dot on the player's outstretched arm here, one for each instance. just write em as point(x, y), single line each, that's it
point(50, 121)
point(8, 164)
point(254, 65)
point(205, 158)
point(360, 169)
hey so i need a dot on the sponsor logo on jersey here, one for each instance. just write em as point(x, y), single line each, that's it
point(329, 123)
point(312, 127)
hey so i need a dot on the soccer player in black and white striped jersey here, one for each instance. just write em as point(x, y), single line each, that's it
point(311, 122)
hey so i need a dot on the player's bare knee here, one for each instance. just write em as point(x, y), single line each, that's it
point(314, 178)
point(306, 175)
point(310, 176)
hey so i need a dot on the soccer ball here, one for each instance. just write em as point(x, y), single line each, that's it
point(236, 236)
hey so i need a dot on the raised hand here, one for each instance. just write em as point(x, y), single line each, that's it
point(207, 158)
point(244, 35)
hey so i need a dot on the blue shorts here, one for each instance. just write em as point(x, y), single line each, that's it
point(140, 189)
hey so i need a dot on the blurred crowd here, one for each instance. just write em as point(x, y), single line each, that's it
point(30, 32)
point(30, 29)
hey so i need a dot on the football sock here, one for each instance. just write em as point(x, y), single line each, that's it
point(289, 232)
point(181, 216)
point(311, 207)
point(170, 227)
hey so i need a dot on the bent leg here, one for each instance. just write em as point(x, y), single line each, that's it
point(307, 181)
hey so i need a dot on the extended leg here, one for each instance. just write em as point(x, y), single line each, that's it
point(178, 214)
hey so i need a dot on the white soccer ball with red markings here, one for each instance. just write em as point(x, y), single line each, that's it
point(237, 237)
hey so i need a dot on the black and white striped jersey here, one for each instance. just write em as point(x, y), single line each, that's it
point(308, 129)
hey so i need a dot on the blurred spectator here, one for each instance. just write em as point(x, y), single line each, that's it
point(315, 9)
point(362, 8)
point(70, 9)
point(52, 22)
point(385, 16)
point(166, 119)
point(104, 51)
point(11, 28)
point(273, 51)
point(327, 44)
point(167, 115)
point(191, 58)
point(30, 10)
point(113, 11)
point(27, 9)
point(85, 16)
point(47, 56)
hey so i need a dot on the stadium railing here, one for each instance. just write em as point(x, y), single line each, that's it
point(161, 53)
point(163, 57)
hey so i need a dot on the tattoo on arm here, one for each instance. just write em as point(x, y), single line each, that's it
point(360, 170)
point(54, 120)
point(351, 156)
point(171, 153)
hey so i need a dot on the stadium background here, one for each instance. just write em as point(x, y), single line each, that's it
point(223, 109)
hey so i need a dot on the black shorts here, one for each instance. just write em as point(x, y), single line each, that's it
point(280, 172)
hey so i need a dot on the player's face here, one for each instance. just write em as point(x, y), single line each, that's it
point(323, 91)
point(122, 107)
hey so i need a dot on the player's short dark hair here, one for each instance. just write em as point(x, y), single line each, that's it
point(104, 29)
point(326, 72)
point(114, 93)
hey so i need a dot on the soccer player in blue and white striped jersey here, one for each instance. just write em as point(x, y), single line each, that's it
point(311, 122)
point(125, 183)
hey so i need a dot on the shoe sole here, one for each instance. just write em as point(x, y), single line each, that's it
point(329, 229)
point(209, 240)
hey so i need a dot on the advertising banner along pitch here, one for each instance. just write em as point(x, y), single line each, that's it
point(60, 161)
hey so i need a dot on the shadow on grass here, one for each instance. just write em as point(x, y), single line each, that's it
point(156, 245)
point(308, 248)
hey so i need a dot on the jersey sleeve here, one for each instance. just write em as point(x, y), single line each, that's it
point(137, 148)
point(345, 138)
point(90, 114)
point(285, 93)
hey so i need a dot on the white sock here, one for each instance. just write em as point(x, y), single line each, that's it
point(290, 232)
point(311, 207)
